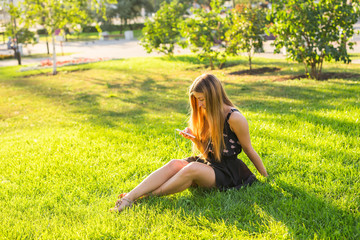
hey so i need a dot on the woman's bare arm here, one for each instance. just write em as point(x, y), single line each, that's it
point(240, 126)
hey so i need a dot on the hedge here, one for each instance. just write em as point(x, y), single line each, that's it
point(104, 27)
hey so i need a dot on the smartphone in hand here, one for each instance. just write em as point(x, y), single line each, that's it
point(188, 134)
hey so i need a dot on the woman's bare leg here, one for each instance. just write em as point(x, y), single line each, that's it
point(189, 173)
point(156, 179)
point(194, 173)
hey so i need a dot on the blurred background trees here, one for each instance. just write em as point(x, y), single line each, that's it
point(314, 32)
point(204, 33)
point(126, 10)
point(162, 32)
point(246, 30)
point(310, 31)
point(54, 15)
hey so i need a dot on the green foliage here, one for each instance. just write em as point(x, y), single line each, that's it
point(54, 14)
point(3, 56)
point(157, 3)
point(162, 33)
point(205, 32)
point(25, 36)
point(247, 1)
point(108, 27)
point(126, 10)
point(313, 32)
point(22, 34)
point(245, 31)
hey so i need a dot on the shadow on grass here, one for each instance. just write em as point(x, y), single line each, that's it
point(325, 76)
point(263, 208)
point(262, 204)
point(255, 71)
point(150, 96)
point(241, 62)
point(153, 96)
point(311, 98)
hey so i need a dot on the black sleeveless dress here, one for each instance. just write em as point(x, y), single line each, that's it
point(230, 172)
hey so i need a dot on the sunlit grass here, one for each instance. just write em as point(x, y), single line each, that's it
point(71, 143)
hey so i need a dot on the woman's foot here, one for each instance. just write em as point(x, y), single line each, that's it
point(122, 204)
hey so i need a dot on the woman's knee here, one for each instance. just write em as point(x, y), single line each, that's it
point(191, 169)
point(176, 164)
point(201, 174)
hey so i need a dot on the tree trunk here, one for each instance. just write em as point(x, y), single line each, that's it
point(250, 52)
point(221, 65)
point(250, 62)
point(306, 69)
point(314, 73)
point(121, 25)
point(320, 67)
point(211, 63)
point(54, 55)
point(17, 55)
point(47, 44)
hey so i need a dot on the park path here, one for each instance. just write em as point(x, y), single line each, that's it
point(106, 49)
point(113, 49)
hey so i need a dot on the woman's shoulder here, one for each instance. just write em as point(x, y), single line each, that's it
point(236, 118)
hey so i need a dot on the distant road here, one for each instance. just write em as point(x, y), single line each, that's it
point(113, 49)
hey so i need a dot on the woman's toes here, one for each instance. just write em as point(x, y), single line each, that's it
point(121, 204)
point(114, 209)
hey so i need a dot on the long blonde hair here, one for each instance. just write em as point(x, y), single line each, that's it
point(208, 124)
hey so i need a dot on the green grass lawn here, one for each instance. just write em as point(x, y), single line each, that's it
point(71, 143)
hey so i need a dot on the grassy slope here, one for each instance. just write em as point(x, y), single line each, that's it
point(71, 143)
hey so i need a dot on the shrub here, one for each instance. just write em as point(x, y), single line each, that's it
point(4, 56)
point(163, 32)
point(313, 31)
point(204, 32)
point(245, 31)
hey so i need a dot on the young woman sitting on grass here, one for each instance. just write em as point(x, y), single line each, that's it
point(220, 132)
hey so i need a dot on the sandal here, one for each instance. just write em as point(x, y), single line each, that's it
point(119, 203)
point(122, 195)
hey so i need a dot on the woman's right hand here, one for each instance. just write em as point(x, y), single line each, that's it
point(189, 131)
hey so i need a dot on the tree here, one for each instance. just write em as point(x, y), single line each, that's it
point(205, 32)
point(127, 10)
point(23, 35)
point(157, 3)
point(248, 2)
point(245, 31)
point(162, 33)
point(313, 31)
point(54, 14)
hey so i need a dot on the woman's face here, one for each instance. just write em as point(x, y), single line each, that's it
point(200, 97)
